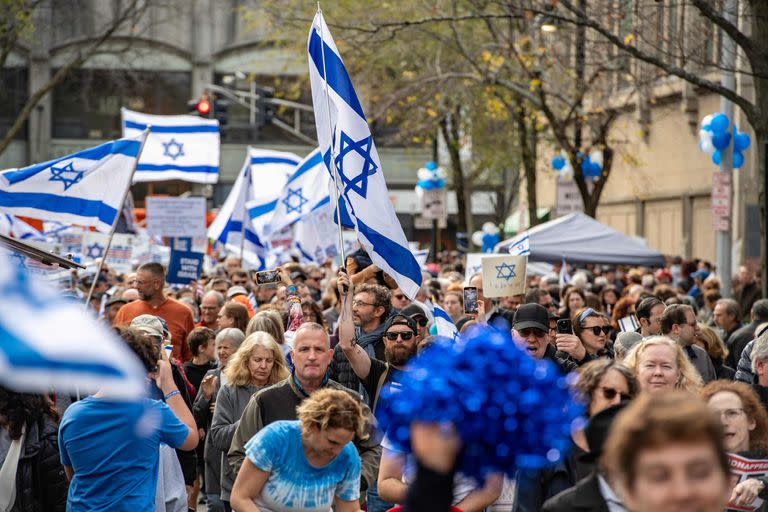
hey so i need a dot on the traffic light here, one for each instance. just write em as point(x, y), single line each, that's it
point(200, 107)
point(266, 107)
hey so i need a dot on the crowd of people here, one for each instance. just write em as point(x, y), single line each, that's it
point(265, 396)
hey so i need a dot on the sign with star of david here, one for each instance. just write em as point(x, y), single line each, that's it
point(355, 164)
point(503, 275)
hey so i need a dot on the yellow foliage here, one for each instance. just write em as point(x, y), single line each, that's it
point(495, 107)
point(408, 75)
point(535, 84)
point(486, 56)
point(410, 99)
point(431, 113)
point(629, 38)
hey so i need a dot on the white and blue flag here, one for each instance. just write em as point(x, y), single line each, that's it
point(48, 341)
point(443, 323)
point(85, 188)
point(179, 147)
point(345, 138)
point(17, 228)
point(306, 190)
point(315, 237)
point(521, 245)
point(264, 172)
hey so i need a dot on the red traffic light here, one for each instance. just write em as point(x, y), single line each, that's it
point(204, 107)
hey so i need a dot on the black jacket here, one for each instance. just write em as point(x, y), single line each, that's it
point(561, 359)
point(41, 485)
point(585, 495)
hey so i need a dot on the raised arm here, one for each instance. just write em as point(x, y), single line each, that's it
point(358, 358)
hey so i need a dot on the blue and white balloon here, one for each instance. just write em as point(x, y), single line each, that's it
point(719, 123)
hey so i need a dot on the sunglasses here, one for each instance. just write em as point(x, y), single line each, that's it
point(610, 394)
point(420, 320)
point(606, 329)
point(404, 335)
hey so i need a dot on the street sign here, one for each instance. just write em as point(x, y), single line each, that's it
point(568, 198)
point(420, 222)
point(721, 201)
point(434, 204)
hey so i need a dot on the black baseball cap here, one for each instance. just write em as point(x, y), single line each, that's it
point(400, 319)
point(531, 315)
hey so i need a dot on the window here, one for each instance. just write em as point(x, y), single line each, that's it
point(13, 95)
point(87, 105)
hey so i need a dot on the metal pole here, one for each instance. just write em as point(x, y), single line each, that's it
point(334, 170)
point(724, 238)
point(117, 218)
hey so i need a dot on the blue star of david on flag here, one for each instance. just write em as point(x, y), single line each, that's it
point(368, 167)
point(67, 175)
point(94, 251)
point(173, 149)
point(294, 201)
point(505, 271)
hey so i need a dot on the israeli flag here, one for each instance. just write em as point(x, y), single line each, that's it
point(85, 188)
point(179, 147)
point(445, 326)
point(264, 172)
point(17, 228)
point(345, 137)
point(520, 246)
point(47, 341)
point(315, 237)
point(563, 278)
point(305, 191)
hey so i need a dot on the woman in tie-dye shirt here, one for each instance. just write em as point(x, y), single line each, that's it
point(308, 465)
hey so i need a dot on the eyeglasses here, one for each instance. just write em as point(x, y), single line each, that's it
point(399, 297)
point(531, 331)
point(404, 335)
point(356, 303)
point(610, 393)
point(730, 414)
point(597, 329)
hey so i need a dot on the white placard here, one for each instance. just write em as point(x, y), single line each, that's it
point(503, 276)
point(176, 216)
point(120, 252)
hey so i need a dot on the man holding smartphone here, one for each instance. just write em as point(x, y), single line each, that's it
point(531, 325)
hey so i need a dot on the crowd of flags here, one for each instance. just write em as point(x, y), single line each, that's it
point(277, 197)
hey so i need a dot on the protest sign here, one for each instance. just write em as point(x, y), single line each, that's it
point(474, 264)
point(176, 216)
point(503, 275)
point(184, 267)
point(742, 469)
point(120, 253)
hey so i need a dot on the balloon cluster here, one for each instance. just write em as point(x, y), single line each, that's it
point(488, 237)
point(510, 410)
point(430, 177)
point(591, 165)
point(714, 137)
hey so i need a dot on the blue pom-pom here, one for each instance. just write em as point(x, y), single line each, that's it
point(510, 410)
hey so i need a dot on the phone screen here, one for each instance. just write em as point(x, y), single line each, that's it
point(470, 300)
point(267, 277)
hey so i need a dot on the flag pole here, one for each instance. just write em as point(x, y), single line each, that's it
point(242, 233)
point(334, 170)
point(244, 196)
point(117, 218)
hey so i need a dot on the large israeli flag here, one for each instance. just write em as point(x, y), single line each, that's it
point(315, 237)
point(49, 342)
point(348, 148)
point(264, 173)
point(306, 190)
point(179, 147)
point(85, 188)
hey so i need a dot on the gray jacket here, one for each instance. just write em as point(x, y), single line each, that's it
point(701, 361)
point(230, 403)
point(201, 410)
point(744, 368)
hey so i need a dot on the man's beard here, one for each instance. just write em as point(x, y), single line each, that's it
point(399, 357)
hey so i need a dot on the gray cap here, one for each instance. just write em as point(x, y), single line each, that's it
point(149, 324)
point(626, 340)
point(236, 290)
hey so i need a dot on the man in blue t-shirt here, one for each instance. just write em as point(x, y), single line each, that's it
point(110, 448)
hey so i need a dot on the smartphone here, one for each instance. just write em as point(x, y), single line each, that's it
point(470, 300)
point(268, 277)
point(564, 326)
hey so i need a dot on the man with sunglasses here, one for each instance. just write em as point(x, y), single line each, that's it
point(416, 313)
point(678, 322)
point(531, 325)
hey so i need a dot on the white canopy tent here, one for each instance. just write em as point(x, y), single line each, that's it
point(581, 239)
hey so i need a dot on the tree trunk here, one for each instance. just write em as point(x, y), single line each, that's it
point(527, 140)
point(449, 129)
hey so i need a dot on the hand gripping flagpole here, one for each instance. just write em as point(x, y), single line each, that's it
point(117, 218)
point(334, 170)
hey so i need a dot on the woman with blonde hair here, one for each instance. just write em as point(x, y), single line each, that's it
point(269, 321)
point(258, 363)
point(708, 339)
point(309, 464)
point(661, 365)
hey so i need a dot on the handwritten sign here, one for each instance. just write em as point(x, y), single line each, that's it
point(503, 275)
point(176, 216)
